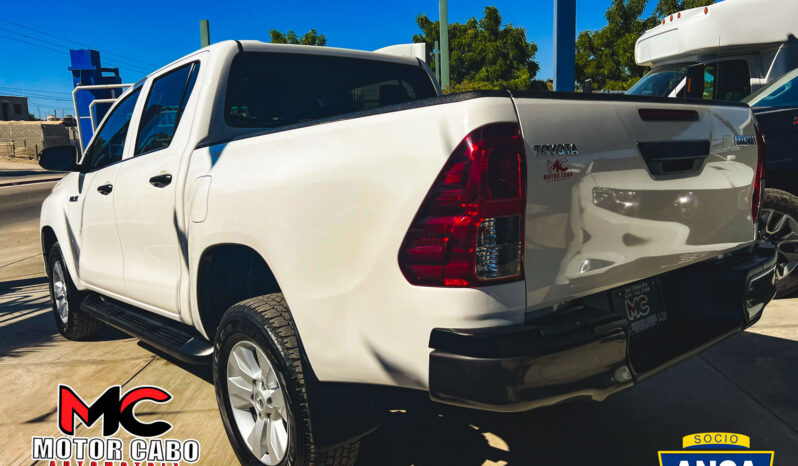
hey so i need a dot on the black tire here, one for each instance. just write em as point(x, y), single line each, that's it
point(783, 203)
point(266, 322)
point(78, 325)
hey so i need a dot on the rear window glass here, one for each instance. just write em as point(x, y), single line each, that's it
point(268, 90)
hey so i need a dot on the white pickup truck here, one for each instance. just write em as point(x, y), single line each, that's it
point(319, 223)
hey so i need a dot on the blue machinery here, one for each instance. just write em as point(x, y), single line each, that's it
point(94, 90)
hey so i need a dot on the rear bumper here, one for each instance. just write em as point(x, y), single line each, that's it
point(586, 349)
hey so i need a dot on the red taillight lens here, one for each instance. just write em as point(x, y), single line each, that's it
point(469, 229)
point(759, 175)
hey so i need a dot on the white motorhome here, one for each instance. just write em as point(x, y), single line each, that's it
point(731, 48)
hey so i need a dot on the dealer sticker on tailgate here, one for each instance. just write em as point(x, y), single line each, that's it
point(641, 302)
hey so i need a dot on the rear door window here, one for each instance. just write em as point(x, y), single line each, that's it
point(165, 104)
point(727, 80)
point(269, 90)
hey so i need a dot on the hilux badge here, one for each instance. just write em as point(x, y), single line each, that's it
point(744, 140)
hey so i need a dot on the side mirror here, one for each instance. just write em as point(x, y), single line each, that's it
point(694, 87)
point(59, 158)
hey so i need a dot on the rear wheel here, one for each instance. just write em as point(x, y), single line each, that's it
point(71, 322)
point(262, 391)
point(778, 225)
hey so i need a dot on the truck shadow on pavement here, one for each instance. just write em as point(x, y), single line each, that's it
point(26, 318)
point(745, 384)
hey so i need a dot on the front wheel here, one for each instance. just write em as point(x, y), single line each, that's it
point(778, 225)
point(261, 388)
point(71, 322)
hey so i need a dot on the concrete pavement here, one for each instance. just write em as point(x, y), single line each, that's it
point(747, 384)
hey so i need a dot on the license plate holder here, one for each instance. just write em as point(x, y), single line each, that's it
point(641, 303)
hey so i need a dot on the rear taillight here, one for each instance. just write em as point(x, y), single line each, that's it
point(469, 230)
point(759, 175)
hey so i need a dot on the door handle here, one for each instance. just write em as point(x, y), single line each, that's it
point(162, 180)
point(105, 189)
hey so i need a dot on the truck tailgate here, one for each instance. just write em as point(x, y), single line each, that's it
point(613, 198)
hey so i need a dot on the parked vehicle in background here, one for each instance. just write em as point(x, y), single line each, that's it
point(776, 109)
point(729, 49)
point(318, 223)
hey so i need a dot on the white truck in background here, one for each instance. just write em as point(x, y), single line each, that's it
point(729, 49)
point(318, 223)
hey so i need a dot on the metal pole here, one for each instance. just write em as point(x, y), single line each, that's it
point(205, 33)
point(564, 45)
point(75, 103)
point(444, 33)
point(437, 54)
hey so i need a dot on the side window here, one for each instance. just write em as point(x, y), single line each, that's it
point(710, 75)
point(164, 107)
point(109, 143)
point(734, 80)
point(785, 95)
point(727, 80)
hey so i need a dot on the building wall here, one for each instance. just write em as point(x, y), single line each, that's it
point(13, 108)
point(26, 138)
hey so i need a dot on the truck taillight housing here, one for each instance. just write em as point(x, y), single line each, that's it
point(759, 175)
point(469, 231)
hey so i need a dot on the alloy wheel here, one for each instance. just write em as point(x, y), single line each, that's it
point(60, 293)
point(781, 230)
point(258, 402)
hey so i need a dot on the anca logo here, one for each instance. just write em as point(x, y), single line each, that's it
point(716, 449)
point(114, 410)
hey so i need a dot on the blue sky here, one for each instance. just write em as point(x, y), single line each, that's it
point(147, 34)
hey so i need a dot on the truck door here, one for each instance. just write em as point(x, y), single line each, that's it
point(148, 188)
point(99, 256)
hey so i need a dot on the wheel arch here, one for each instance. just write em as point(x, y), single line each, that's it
point(228, 273)
point(48, 239)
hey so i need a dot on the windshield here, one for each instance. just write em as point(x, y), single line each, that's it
point(783, 92)
point(660, 81)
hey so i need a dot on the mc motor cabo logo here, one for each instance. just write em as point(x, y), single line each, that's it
point(716, 449)
point(115, 411)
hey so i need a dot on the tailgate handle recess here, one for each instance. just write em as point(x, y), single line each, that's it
point(667, 159)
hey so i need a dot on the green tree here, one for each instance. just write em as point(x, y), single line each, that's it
point(485, 55)
point(607, 56)
point(309, 38)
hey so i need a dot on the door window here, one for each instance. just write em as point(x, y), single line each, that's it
point(109, 143)
point(782, 92)
point(727, 80)
point(164, 107)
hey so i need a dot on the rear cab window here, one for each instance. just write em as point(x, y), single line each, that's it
point(270, 90)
